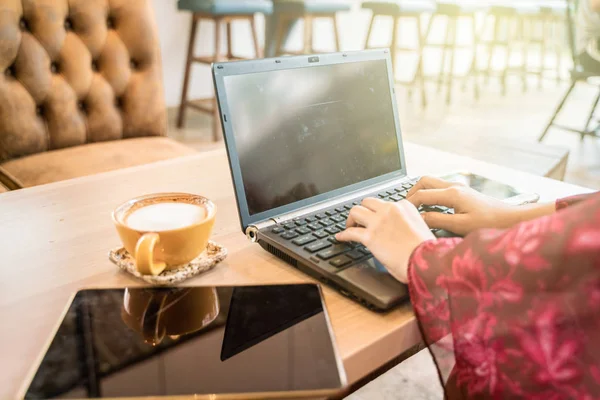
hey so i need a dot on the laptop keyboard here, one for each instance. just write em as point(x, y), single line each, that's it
point(316, 233)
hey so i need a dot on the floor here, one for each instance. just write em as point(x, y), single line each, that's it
point(415, 379)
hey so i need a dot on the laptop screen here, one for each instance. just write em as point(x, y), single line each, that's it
point(302, 132)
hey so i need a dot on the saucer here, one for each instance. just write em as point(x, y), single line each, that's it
point(214, 254)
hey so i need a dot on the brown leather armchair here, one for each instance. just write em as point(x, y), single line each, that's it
point(77, 77)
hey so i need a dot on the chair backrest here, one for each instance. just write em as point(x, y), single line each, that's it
point(77, 71)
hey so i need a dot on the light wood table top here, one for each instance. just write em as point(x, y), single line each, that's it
point(54, 240)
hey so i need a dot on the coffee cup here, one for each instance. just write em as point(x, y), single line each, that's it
point(164, 230)
point(158, 312)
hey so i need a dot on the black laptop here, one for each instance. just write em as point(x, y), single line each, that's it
point(308, 138)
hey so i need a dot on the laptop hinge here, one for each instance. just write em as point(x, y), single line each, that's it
point(252, 230)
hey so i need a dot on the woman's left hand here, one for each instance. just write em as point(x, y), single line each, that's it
point(391, 231)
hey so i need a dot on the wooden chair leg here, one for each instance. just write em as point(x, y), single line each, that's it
point(281, 25)
point(492, 49)
point(422, 37)
point(451, 71)
point(257, 51)
point(473, 72)
point(475, 67)
point(394, 45)
point(443, 60)
point(509, 48)
point(525, 34)
point(559, 49)
point(229, 40)
point(544, 47)
point(186, 76)
point(336, 32)
point(308, 35)
point(217, 56)
point(370, 30)
point(557, 111)
point(591, 115)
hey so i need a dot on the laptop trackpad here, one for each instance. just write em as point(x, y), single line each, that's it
point(371, 277)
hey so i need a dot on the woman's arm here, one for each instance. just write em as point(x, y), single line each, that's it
point(594, 5)
point(515, 313)
point(473, 210)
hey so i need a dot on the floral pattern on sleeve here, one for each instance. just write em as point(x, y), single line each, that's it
point(515, 313)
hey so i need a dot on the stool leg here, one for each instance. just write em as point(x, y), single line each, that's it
point(336, 32)
point(509, 48)
point(229, 40)
point(421, 46)
point(544, 45)
point(370, 30)
point(186, 76)
point(308, 35)
point(217, 57)
point(559, 53)
point(443, 61)
point(523, 24)
point(454, 23)
point(591, 115)
point(473, 69)
point(492, 48)
point(557, 111)
point(281, 25)
point(394, 45)
point(257, 50)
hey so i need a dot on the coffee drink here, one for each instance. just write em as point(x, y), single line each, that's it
point(165, 216)
point(163, 231)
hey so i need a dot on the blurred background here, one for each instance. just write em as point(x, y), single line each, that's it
point(491, 78)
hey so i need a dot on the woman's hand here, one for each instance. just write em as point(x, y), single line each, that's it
point(472, 210)
point(391, 231)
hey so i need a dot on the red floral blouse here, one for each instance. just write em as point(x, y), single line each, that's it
point(515, 313)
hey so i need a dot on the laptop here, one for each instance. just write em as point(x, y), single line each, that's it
point(309, 137)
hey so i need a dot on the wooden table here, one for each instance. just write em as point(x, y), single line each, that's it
point(54, 240)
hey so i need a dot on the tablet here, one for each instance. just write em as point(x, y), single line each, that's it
point(211, 342)
point(493, 188)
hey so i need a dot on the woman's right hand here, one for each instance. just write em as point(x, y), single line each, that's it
point(472, 210)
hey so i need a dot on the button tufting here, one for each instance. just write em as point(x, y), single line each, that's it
point(10, 71)
point(82, 107)
point(110, 23)
point(68, 24)
point(94, 66)
point(23, 24)
point(54, 67)
point(134, 64)
point(119, 102)
point(39, 110)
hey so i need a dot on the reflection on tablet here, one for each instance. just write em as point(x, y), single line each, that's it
point(259, 312)
point(169, 341)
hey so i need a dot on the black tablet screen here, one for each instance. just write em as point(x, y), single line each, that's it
point(183, 341)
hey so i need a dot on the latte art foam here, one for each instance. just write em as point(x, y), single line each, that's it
point(165, 216)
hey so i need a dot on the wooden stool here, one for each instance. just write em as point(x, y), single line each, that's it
point(412, 9)
point(452, 12)
point(512, 25)
point(223, 12)
point(552, 18)
point(308, 10)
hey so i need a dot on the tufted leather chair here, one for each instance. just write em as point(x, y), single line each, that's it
point(77, 77)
